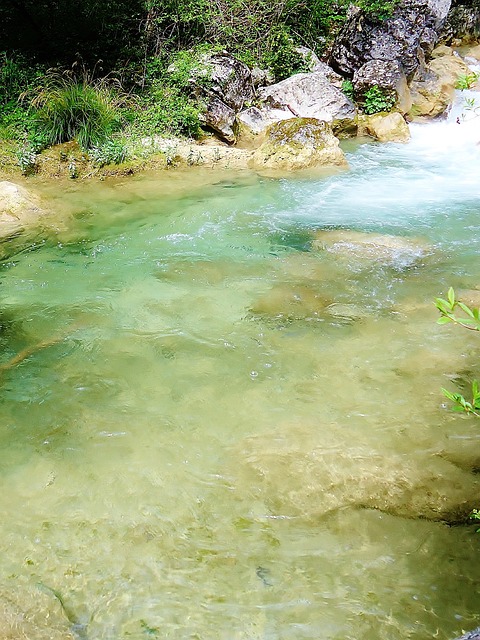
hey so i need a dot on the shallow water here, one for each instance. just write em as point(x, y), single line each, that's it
point(220, 430)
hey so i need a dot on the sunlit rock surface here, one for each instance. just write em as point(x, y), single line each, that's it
point(301, 143)
point(433, 89)
point(390, 127)
point(17, 207)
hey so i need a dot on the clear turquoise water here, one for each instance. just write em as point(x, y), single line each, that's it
point(197, 446)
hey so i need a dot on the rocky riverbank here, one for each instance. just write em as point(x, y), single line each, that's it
point(379, 76)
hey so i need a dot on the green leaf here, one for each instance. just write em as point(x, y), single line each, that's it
point(468, 322)
point(467, 310)
point(451, 296)
point(449, 396)
point(440, 303)
point(444, 320)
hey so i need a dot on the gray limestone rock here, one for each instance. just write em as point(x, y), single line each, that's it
point(471, 635)
point(309, 95)
point(222, 84)
point(463, 22)
point(406, 37)
point(389, 76)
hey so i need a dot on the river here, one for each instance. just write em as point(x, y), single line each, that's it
point(223, 429)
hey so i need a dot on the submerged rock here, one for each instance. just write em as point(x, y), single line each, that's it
point(292, 301)
point(300, 143)
point(470, 297)
point(31, 614)
point(390, 127)
point(308, 473)
point(371, 247)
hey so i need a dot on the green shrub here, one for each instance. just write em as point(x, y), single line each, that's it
point(379, 9)
point(376, 100)
point(70, 109)
point(281, 57)
point(16, 76)
point(166, 110)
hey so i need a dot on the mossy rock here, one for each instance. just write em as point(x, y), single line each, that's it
point(298, 143)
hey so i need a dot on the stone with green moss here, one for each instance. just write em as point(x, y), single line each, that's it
point(298, 143)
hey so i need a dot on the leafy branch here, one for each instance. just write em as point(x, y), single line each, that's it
point(469, 319)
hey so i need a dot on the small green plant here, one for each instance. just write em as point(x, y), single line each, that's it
point(475, 515)
point(111, 151)
point(470, 109)
point(27, 160)
point(348, 90)
point(469, 319)
point(378, 9)
point(463, 405)
point(466, 80)
point(377, 100)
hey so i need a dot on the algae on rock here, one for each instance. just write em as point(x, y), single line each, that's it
point(298, 143)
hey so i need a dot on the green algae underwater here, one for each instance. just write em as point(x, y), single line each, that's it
point(228, 422)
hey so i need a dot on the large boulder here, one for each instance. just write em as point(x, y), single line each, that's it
point(384, 127)
point(299, 143)
point(433, 89)
point(463, 23)
point(406, 37)
point(309, 95)
point(222, 85)
point(303, 95)
point(18, 207)
point(313, 64)
point(252, 123)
